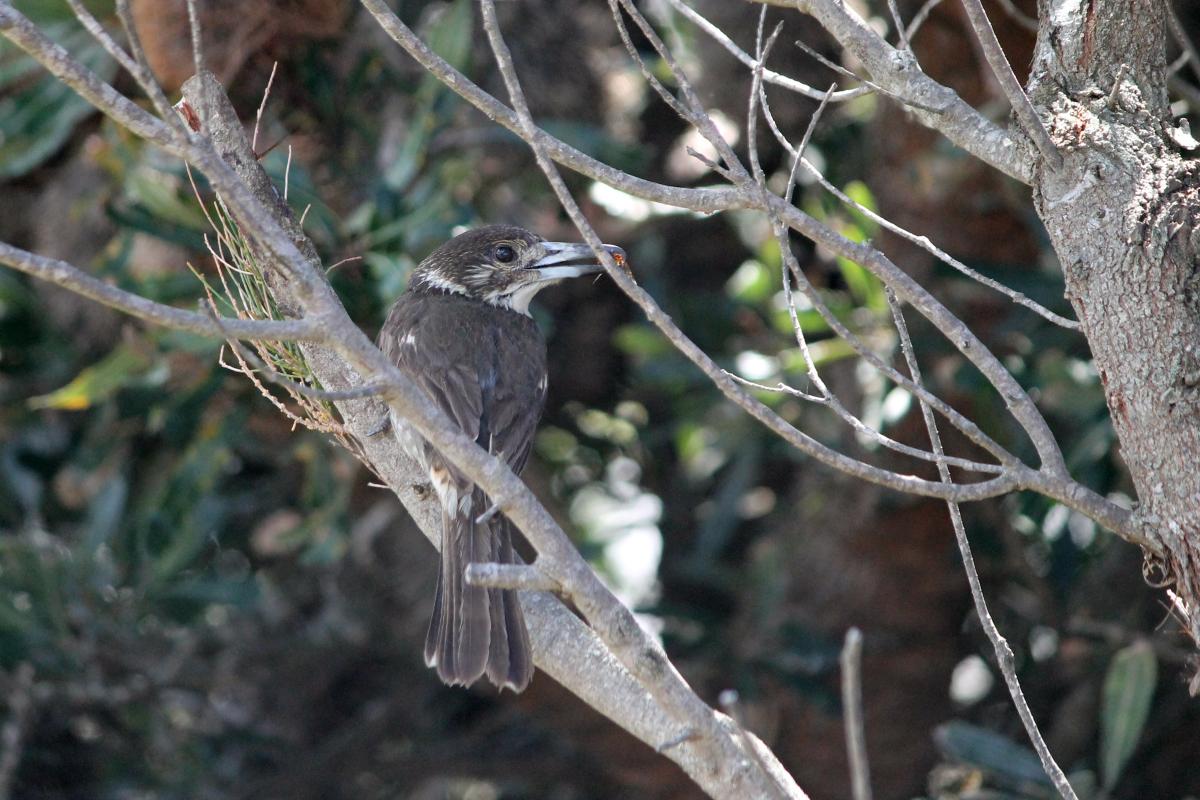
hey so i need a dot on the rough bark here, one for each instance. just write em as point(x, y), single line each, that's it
point(1122, 215)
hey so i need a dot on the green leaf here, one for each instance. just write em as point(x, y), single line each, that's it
point(120, 368)
point(861, 194)
point(450, 34)
point(1128, 689)
point(864, 287)
point(641, 340)
point(37, 117)
point(391, 271)
point(992, 752)
point(751, 283)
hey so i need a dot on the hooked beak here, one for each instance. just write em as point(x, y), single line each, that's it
point(556, 264)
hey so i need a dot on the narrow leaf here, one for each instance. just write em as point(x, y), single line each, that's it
point(1128, 690)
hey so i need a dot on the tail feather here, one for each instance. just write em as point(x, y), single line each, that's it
point(459, 631)
point(473, 630)
point(510, 664)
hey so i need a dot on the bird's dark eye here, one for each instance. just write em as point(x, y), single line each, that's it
point(504, 253)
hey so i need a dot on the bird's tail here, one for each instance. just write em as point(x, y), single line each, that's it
point(475, 630)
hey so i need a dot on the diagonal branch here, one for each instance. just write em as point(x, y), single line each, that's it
point(897, 71)
point(1009, 84)
point(769, 76)
point(1004, 654)
point(1052, 481)
point(660, 679)
point(704, 200)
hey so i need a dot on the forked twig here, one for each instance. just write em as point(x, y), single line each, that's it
point(1004, 654)
point(994, 55)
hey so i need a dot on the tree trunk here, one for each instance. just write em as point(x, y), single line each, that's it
point(1122, 213)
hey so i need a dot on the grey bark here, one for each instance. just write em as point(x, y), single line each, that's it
point(1122, 214)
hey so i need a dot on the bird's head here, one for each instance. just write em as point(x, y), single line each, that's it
point(504, 265)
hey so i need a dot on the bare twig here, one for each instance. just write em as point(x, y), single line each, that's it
point(925, 244)
point(93, 26)
point(695, 112)
point(901, 32)
point(827, 397)
point(1009, 84)
point(526, 577)
point(798, 151)
point(1018, 16)
point(70, 277)
point(1180, 61)
point(852, 715)
point(1016, 398)
point(870, 433)
point(897, 71)
point(636, 652)
point(921, 241)
point(262, 107)
point(1004, 654)
point(761, 51)
point(252, 363)
point(839, 69)
point(197, 36)
point(720, 37)
point(144, 75)
point(919, 18)
point(1182, 39)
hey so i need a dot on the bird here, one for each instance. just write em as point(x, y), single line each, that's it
point(463, 334)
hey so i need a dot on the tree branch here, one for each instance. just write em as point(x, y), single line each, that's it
point(730, 778)
point(1054, 483)
point(70, 277)
point(852, 714)
point(705, 201)
point(1004, 654)
point(769, 76)
point(898, 72)
point(1009, 84)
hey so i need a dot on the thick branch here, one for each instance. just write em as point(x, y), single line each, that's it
point(1054, 483)
point(356, 356)
point(897, 71)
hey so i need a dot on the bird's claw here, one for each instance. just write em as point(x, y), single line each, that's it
point(487, 515)
point(383, 426)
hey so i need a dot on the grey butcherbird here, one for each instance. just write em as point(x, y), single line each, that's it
point(462, 332)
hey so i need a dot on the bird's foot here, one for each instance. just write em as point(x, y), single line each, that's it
point(485, 516)
point(383, 426)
